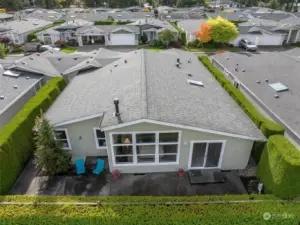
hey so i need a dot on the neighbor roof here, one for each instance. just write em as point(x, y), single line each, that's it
point(150, 86)
point(11, 93)
point(25, 25)
point(277, 67)
point(108, 28)
point(154, 22)
point(55, 63)
point(190, 26)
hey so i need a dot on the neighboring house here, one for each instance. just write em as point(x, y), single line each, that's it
point(184, 14)
point(152, 27)
point(21, 79)
point(190, 27)
point(231, 16)
point(223, 4)
point(270, 81)
point(65, 31)
point(153, 112)
point(267, 32)
point(41, 14)
point(18, 30)
point(58, 64)
point(271, 16)
point(126, 16)
point(6, 17)
point(109, 35)
point(16, 88)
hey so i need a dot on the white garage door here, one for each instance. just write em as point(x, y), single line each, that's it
point(122, 39)
point(270, 40)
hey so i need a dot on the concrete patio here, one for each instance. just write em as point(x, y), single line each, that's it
point(154, 184)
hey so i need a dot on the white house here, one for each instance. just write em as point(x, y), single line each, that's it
point(18, 30)
point(153, 112)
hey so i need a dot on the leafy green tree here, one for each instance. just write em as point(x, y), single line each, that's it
point(166, 36)
point(274, 4)
point(3, 51)
point(49, 155)
point(222, 30)
point(12, 4)
point(261, 4)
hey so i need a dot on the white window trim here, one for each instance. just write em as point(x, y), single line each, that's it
point(96, 139)
point(67, 135)
point(156, 163)
point(207, 142)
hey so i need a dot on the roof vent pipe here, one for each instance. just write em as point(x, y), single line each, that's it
point(178, 60)
point(117, 111)
point(125, 61)
point(266, 80)
point(178, 65)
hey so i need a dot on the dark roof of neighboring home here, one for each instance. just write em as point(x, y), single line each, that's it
point(4, 16)
point(190, 26)
point(72, 24)
point(154, 22)
point(234, 16)
point(150, 86)
point(13, 87)
point(291, 21)
point(43, 14)
point(271, 16)
point(55, 63)
point(280, 67)
point(129, 16)
point(261, 10)
point(90, 16)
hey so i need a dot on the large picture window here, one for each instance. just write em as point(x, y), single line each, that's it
point(61, 136)
point(100, 138)
point(145, 147)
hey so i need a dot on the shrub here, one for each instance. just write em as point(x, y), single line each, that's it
point(175, 44)
point(16, 138)
point(61, 43)
point(16, 48)
point(182, 34)
point(31, 36)
point(4, 39)
point(279, 167)
point(269, 128)
point(158, 44)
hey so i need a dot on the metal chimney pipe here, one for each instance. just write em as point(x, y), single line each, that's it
point(117, 111)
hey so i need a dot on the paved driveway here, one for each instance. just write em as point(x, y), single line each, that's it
point(154, 184)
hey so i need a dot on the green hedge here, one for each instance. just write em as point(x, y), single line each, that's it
point(218, 214)
point(279, 167)
point(182, 34)
point(16, 136)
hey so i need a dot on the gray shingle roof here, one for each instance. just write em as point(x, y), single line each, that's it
point(154, 22)
point(25, 25)
point(150, 86)
point(190, 25)
point(276, 67)
point(108, 28)
point(9, 92)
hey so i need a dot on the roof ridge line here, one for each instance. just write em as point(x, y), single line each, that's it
point(144, 86)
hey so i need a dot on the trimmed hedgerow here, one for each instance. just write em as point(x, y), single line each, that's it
point(279, 167)
point(16, 136)
point(233, 213)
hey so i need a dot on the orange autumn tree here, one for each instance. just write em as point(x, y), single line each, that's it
point(203, 35)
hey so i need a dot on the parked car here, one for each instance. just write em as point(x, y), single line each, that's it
point(248, 45)
point(44, 48)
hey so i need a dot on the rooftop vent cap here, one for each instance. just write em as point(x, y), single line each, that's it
point(2, 97)
point(59, 58)
point(258, 81)
point(16, 86)
point(276, 96)
point(24, 63)
point(266, 80)
point(27, 78)
point(117, 111)
point(227, 58)
point(178, 65)
point(190, 75)
point(115, 65)
point(178, 60)
point(75, 58)
point(31, 58)
point(38, 54)
point(243, 70)
point(87, 61)
point(195, 82)
point(125, 61)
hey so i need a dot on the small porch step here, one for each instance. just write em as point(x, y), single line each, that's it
point(206, 176)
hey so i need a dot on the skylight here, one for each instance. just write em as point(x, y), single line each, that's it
point(278, 87)
point(195, 82)
point(10, 73)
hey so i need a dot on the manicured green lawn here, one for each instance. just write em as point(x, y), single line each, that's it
point(225, 213)
point(68, 50)
point(154, 49)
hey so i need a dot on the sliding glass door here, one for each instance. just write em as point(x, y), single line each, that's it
point(206, 154)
